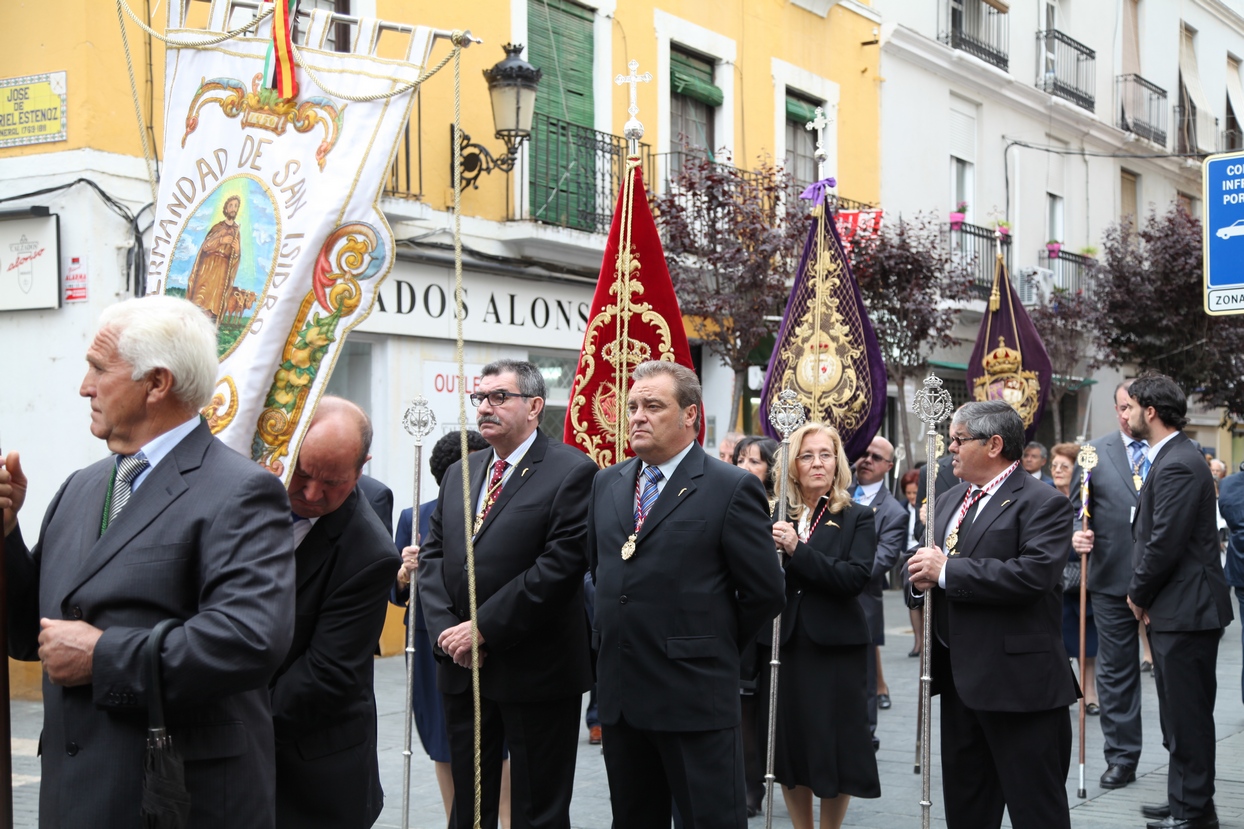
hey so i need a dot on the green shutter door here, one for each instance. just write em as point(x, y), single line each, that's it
point(563, 146)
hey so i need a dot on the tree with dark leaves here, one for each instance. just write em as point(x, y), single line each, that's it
point(732, 241)
point(1065, 326)
point(914, 288)
point(1149, 310)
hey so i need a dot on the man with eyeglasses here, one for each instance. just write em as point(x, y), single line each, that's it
point(528, 505)
point(890, 518)
point(998, 659)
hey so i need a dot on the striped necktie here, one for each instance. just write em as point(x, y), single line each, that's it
point(129, 467)
point(649, 495)
point(859, 494)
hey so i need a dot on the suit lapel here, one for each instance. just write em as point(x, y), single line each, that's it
point(1179, 438)
point(942, 519)
point(624, 493)
point(523, 472)
point(314, 550)
point(164, 485)
point(677, 489)
point(999, 502)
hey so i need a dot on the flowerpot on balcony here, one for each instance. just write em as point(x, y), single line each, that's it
point(1004, 231)
point(956, 221)
point(1053, 248)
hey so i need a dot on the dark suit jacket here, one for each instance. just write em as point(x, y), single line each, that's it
point(1178, 578)
point(323, 703)
point(670, 621)
point(826, 574)
point(890, 532)
point(381, 499)
point(529, 563)
point(1004, 598)
point(1112, 497)
point(204, 539)
point(1231, 505)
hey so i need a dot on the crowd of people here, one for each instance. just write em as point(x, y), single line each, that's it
point(660, 586)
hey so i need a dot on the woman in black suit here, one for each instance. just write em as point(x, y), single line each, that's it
point(823, 745)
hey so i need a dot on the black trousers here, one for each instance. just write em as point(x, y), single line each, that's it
point(543, 741)
point(1184, 665)
point(700, 771)
point(993, 760)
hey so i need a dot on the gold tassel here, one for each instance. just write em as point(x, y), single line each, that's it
point(995, 298)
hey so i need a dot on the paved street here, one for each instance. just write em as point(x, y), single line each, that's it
point(897, 807)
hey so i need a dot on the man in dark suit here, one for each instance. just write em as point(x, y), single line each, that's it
point(890, 520)
point(1179, 592)
point(1231, 505)
point(381, 499)
point(1036, 456)
point(323, 701)
point(174, 525)
point(681, 551)
point(998, 659)
point(529, 499)
point(1113, 489)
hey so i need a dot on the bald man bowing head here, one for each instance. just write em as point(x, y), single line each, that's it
point(323, 703)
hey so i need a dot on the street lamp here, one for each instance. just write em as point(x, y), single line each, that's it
point(512, 85)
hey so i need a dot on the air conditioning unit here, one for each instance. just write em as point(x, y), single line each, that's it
point(1035, 285)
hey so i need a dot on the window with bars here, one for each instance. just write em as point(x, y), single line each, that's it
point(340, 38)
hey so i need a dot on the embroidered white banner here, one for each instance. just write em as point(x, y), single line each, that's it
point(268, 217)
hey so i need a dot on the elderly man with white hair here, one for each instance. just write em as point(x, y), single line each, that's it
point(174, 525)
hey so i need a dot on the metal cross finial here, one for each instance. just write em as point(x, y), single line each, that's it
point(787, 414)
point(820, 123)
point(419, 420)
point(632, 129)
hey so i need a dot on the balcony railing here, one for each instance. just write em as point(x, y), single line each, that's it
point(1142, 108)
point(1186, 130)
point(1065, 68)
point(1231, 140)
point(406, 175)
point(973, 245)
point(1071, 270)
point(576, 172)
point(974, 27)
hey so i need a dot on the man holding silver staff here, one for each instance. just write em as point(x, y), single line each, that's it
point(528, 499)
point(997, 655)
point(681, 550)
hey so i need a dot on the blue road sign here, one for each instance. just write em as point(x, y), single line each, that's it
point(1223, 223)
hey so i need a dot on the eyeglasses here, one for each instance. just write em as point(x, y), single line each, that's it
point(494, 398)
point(807, 457)
point(955, 441)
point(873, 456)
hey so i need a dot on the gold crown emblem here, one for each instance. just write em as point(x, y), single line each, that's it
point(1002, 360)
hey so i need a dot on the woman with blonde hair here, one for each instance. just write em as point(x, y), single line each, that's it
point(823, 744)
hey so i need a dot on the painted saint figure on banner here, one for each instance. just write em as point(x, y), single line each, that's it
point(216, 266)
point(226, 255)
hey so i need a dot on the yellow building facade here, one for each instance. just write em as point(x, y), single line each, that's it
point(736, 79)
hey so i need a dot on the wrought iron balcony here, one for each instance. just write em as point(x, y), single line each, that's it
point(575, 174)
point(977, 28)
point(1065, 68)
point(1071, 270)
point(973, 246)
point(1231, 140)
point(1142, 108)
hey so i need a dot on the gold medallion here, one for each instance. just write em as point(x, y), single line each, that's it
point(628, 549)
point(1137, 481)
point(951, 541)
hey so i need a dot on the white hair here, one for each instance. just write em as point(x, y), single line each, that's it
point(167, 332)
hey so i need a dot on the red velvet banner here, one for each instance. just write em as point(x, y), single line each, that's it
point(635, 318)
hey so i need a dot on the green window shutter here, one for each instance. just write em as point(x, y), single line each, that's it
point(693, 76)
point(562, 151)
point(798, 109)
point(560, 35)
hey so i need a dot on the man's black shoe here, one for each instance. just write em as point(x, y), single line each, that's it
point(1156, 811)
point(1209, 821)
point(1117, 776)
